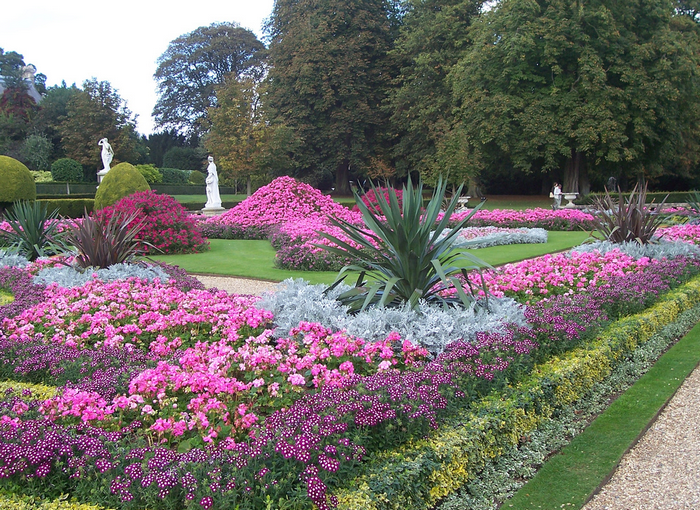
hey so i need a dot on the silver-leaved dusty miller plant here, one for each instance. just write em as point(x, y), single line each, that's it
point(69, 277)
point(11, 259)
point(431, 326)
point(657, 251)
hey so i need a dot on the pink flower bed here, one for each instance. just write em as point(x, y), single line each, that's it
point(687, 233)
point(561, 219)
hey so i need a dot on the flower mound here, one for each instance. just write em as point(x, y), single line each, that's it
point(372, 202)
point(19, 283)
point(283, 200)
point(168, 227)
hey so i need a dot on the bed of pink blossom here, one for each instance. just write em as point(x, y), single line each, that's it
point(220, 368)
point(554, 274)
point(372, 202)
point(561, 219)
point(688, 233)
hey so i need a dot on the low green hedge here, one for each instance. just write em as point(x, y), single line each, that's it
point(19, 502)
point(197, 206)
point(69, 207)
point(422, 472)
point(674, 197)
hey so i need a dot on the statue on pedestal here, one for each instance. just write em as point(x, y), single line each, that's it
point(107, 155)
point(212, 180)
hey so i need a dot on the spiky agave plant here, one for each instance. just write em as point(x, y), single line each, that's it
point(401, 256)
point(34, 232)
point(630, 219)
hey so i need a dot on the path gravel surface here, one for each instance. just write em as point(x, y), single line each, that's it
point(662, 471)
point(236, 285)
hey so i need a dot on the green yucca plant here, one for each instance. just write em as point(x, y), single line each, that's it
point(102, 243)
point(633, 220)
point(34, 231)
point(402, 257)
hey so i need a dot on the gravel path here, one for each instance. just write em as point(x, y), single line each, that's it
point(236, 285)
point(662, 471)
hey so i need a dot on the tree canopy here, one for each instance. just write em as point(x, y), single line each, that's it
point(606, 86)
point(328, 77)
point(193, 65)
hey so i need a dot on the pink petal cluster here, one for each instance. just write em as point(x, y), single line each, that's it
point(688, 233)
point(561, 219)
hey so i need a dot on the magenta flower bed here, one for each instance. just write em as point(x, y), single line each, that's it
point(561, 219)
point(177, 399)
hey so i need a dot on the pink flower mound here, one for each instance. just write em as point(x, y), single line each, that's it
point(687, 233)
point(283, 200)
point(370, 199)
point(168, 226)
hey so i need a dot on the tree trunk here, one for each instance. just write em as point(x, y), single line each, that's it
point(584, 181)
point(342, 182)
point(571, 172)
point(249, 186)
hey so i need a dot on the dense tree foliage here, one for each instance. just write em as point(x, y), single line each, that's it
point(610, 87)
point(193, 65)
point(97, 111)
point(328, 77)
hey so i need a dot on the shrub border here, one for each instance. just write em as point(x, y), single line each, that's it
point(420, 473)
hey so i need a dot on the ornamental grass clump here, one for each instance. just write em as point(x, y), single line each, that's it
point(632, 220)
point(32, 231)
point(403, 253)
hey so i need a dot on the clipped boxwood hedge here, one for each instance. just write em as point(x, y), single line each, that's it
point(70, 207)
point(674, 197)
point(420, 473)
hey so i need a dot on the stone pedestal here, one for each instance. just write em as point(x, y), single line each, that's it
point(213, 211)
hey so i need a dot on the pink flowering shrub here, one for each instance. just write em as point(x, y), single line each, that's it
point(283, 200)
point(168, 226)
point(370, 198)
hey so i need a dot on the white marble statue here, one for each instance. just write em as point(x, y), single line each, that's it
point(212, 180)
point(107, 154)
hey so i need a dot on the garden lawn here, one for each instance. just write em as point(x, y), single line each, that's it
point(570, 477)
point(256, 259)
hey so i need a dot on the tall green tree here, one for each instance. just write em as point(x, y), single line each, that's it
point(54, 108)
point(193, 65)
point(432, 39)
point(95, 112)
point(329, 75)
point(573, 86)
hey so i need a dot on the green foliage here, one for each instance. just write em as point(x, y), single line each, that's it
point(66, 170)
point(174, 176)
point(632, 220)
point(33, 231)
point(197, 177)
point(150, 173)
point(36, 152)
point(583, 86)
point(191, 67)
point(69, 207)
point(403, 254)
point(182, 158)
point(41, 176)
point(94, 113)
point(101, 243)
point(693, 202)
point(120, 181)
point(17, 182)
point(329, 72)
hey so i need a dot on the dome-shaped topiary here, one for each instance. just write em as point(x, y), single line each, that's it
point(66, 170)
point(17, 182)
point(121, 181)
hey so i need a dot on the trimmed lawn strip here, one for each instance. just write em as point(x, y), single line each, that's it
point(421, 473)
point(256, 259)
point(570, 477)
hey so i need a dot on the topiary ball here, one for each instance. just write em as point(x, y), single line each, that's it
point(66, 170)
point(17, 182)
point(121, 181)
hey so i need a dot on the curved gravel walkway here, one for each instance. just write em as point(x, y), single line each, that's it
point(236, 285)
point(662, 471)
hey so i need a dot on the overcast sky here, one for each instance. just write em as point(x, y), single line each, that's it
point(117, 41)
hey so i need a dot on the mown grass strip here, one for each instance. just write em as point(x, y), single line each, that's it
point(570, 477)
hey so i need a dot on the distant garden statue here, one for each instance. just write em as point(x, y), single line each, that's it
point(107, 155)
point(213, 205)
